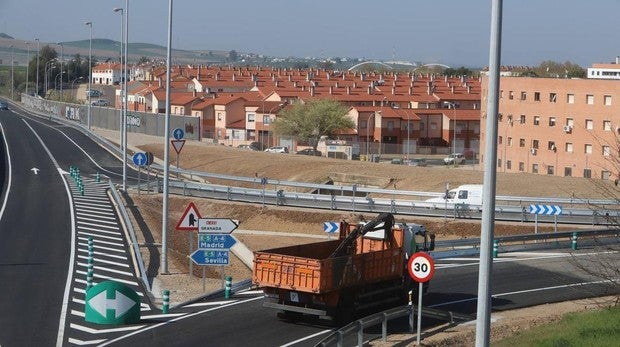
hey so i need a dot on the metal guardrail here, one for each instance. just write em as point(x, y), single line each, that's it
point(132, 234)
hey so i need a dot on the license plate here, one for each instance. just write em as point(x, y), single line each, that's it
point(294, 297)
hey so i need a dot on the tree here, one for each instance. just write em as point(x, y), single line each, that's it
point(312, 120)
point(233, 55)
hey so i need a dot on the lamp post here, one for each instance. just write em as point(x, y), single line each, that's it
point(61, 58)
point(164, 228)
point(125, 100)
point(27, 65)
point(368, 135)
point(38, 54)
point(45, 74)
point(75, 79)
point(12, 72)
point(56, 81)
point(121, 126)
point(453, 106)
point(90, 67)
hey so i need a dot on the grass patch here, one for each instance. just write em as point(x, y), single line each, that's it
point(598, 328)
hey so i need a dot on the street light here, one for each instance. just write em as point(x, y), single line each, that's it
point(27, 65)
point(61, 58)
point(12, 72)
point(453, 106)
point(90, 67)
point(122, 91)
point(45, 78)
point(38, 51)
point(75, 79)
point(56, 81)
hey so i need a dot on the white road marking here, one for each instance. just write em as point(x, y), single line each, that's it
point(84, 343)
point(307, 338)
point(212, 303)
point(104, 331)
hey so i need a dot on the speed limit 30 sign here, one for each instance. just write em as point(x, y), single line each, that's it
point(421, 267)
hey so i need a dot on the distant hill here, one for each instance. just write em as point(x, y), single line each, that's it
point(5, 36)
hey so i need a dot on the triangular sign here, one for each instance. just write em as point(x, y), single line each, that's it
point(178, 145)
point(189, 220)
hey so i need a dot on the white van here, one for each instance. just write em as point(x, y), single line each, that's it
point(467, 195)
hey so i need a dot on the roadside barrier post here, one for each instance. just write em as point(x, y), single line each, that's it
point(166, 301)
point(98, 177)
point(228, 287)
point(495, 248)
point(89, 266)
point(573, 242)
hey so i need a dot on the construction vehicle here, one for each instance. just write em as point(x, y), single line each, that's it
point(364, 269)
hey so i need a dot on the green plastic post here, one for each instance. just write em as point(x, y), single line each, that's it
point(574, 241)
point(166, 301)
point(228, 286)
point(98, 177)
point(495, 248)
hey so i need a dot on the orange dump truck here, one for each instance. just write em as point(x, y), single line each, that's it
point(364, 268)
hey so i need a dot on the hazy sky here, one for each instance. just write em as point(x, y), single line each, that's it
point(454, 32)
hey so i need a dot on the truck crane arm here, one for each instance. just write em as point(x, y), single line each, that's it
point(383, 221)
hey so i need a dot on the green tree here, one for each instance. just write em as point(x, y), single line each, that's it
point(312, 120)
point(143, 60)
point(233, 55)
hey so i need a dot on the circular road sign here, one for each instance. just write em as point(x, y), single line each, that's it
point(178, 134)
point(421, 267)
point(139, 159)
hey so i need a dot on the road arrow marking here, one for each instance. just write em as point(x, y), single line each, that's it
point(35, 170)
point(120, 305)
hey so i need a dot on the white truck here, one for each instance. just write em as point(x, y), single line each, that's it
point(467, 196)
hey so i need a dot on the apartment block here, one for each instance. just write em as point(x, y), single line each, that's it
point(556, 126)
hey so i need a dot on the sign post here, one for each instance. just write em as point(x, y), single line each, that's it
point(189, 222)
point(549, 210)
point(140, 159)
point(421, 269)
point(330, 228)
point(178, 143)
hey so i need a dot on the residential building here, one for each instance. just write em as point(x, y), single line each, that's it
point(560, 127)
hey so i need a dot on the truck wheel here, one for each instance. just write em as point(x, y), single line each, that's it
point(345, 312)
point(289, 316)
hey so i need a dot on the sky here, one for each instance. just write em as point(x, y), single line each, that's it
point(452, 32)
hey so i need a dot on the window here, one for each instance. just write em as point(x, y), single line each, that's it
point(390, 125)
point(521, 142)
point(422, 126)
point(589, 124)
point(536, 96)
point(607, 100)
point(499, 162)
point(605, 175)
point(590, 99)
point(570, 122)
point(552, 97)
point(569, 147)
point(606, 150)
point(521, 166)
point(570, 98)
point(462, 194)
point(511, 95)
point(500, 117)
point(550, 170)
point(535, 144)
point(508, 164)
point(534, 168)
point(523, 96)
point(551, 121)
point(522, 119)
point(607, 125)
point(219, 116)
point(568, 171)
point(587, 173)
point(587, 149)
point(266, 119)
point(536, 120)
point(500, 140)
point(510, 141)
point(251, 117)
point(551, 145)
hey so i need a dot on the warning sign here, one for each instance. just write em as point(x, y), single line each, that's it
point(189, 220)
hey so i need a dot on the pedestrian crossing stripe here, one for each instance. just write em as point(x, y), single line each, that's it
point(189, 219)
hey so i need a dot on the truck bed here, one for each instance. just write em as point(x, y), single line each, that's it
point(308, 268)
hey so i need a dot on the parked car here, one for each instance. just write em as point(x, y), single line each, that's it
point(93, 93)
point(310, 151)
point(397, 161)
point(258, 145)
point(454, 158)
point(277, 149)
point(417, 162)
point(100, 102)
point(4, 105)
point(248, 147)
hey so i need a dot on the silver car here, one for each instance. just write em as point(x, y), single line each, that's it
point(277, 149)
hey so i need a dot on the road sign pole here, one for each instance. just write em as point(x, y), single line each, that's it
point(178, 155)
point(419, 312)
point(536, 223)
point(191, 249)
point(139, 169)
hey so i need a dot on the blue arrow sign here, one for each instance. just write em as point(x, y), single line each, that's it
point(178, 133)
point(330, 227)
point(139, 159)
point(215, 241)
point(210, 257)
point(549, 210)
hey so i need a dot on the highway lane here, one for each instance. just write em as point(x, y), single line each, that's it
point(35, 229)
point(519, 280)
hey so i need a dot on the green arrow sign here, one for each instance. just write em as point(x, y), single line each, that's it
point(111, 302)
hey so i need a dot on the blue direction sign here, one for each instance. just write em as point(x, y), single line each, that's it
point(215, 241)
point(139, 159)
point(330, 227)
point(210, 257)
point(178, 134)
point(550, 210)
